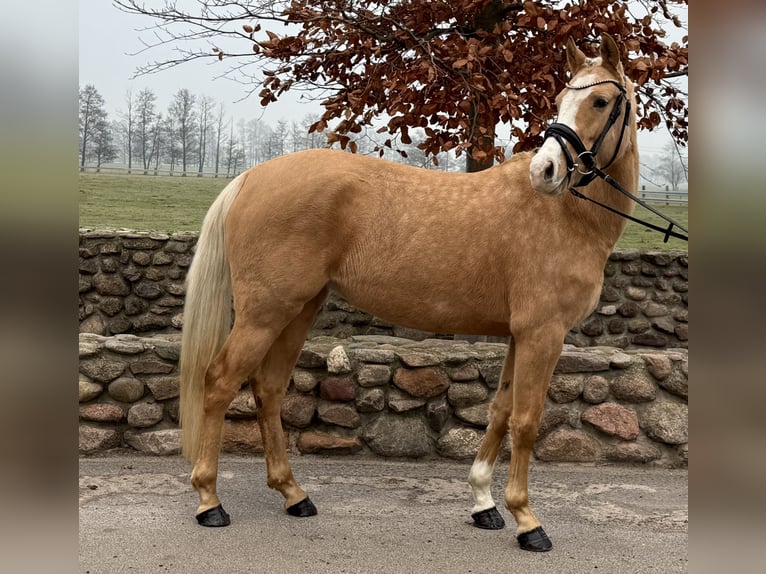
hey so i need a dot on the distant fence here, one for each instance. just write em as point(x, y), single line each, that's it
point(165, 171)
point(665, 197)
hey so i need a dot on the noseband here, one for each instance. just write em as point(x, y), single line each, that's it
point(586, 162)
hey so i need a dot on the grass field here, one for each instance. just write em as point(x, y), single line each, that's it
point(171, 204)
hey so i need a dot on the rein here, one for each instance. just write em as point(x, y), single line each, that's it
point(586, 159)
point(611, 181)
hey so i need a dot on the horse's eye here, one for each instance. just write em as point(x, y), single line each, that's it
point(600, 103)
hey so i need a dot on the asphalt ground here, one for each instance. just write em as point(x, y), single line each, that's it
point(376, 516)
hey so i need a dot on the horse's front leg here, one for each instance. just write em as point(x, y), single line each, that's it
point(484, 513)
point(537, 352)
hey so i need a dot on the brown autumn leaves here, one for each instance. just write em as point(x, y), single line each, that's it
point(457, 68)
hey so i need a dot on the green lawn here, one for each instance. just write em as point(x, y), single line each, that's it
point(639, 237)
point(170, 204)
point(146, 202)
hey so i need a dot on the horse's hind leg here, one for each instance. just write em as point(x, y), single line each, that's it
point(484, 513)
point(537, 351)
point(243, 350)
point(269, 385)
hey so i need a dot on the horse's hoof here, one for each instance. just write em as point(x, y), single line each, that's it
point(489, 519)
point(214, 517)
point(302, 509)
point(535, 540)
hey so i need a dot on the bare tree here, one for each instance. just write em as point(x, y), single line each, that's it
point(182, 110)
point(170, 149)
point(232, 143)
point(279, 135)
point(145, 120)
point(672, 166)
point(218, 138)
point(205, 104)
point(91, 113)
point(128, 125)
point(118, 138)
point(157, 141)
point(103, 149)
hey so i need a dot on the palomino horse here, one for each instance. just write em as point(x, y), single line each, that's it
point(500, 252)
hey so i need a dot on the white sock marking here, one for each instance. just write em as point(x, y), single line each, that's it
point(480, 479)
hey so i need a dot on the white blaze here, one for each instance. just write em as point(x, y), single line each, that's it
point(550, 151)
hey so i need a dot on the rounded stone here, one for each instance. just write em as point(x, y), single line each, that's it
point(370, 400)
point(568, 445)
point(88, 390)
point(659, 366)
point(162, 442)
point(595, 389)
point(102, 412)
point(464, 373)
point(298, 410)
point(460, 443)
point(401, 402)
point(437, 413)
point(125, 344)
point(629, 309)
point(466, 394)
point(616, 326)
point(565, 389)
point(94, 439)
point(398, 436)
point(477, 415)
point(423, 383)
point(126, 389)
point(652, 309)
point(633, 387)
point(102, 369)
point(552, 418)
point(337, 389)
point(490, 372)
point(142, 415)
point(677, 383)
point(163, 386)
point(666, 421)
point(593, 328)
point(373, 375)
point(242, 437)
point(338, 361)
point(621, 360)
point(304, 382)
point(340, 414)
point(634, 451)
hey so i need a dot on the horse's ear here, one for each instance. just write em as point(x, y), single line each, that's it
point(575, 58)
point(610, 55)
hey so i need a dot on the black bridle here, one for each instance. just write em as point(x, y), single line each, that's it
point(586, 167)
point(586, 158)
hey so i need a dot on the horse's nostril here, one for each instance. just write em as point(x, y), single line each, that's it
point(549, 171)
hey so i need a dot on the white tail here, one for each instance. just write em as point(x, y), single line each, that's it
point(207, 314)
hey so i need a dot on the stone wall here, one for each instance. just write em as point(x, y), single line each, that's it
point(134, 283)
point(395, 397)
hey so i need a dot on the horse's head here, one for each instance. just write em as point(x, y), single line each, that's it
point(593, 113)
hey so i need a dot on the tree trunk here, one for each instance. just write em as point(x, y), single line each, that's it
point(484, 142)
